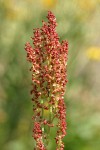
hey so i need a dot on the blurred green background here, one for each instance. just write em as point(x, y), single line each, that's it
point(79, 23)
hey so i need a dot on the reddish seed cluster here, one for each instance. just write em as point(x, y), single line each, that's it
point(48, 58)
point(38, 136)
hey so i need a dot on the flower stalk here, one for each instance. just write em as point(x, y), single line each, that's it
point(48, 58)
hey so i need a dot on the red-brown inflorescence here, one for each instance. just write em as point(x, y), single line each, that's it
point(48, 58)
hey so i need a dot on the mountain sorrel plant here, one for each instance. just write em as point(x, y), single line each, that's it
point(48, 58)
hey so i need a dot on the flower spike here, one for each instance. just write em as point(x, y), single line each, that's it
point(48, 58)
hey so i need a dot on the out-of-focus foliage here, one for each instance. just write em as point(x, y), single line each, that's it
point(79, 22)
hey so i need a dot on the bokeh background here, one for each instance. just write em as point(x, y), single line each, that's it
point(79, 23)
